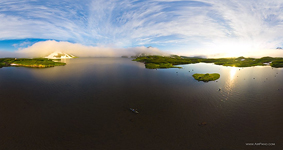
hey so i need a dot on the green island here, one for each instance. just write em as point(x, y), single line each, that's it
point(206, 77)
point(161, 65)
point(154, 62)
point(32, 63)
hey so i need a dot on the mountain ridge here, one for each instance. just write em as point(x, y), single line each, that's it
point(60, 55)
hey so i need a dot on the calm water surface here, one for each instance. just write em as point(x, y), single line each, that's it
point(85, 105)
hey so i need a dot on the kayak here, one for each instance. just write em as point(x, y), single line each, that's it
point(134, 110)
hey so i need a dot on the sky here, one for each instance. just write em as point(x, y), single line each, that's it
point(209, 28)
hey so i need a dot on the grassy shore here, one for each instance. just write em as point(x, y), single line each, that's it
point(206, 77)
point(153, 62)
point(32, 63)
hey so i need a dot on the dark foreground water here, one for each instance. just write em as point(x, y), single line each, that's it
point(85, 105)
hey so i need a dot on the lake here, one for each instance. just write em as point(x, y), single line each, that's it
point(85, 105)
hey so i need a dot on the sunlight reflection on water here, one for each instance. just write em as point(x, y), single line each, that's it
point(230, 82)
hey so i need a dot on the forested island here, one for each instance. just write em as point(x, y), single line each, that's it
point(154, 62)
point(206, 77)
point(32, 63)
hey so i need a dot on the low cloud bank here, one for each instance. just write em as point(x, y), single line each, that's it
point(42, 49)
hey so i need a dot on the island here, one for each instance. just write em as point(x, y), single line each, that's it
point(160, 65)
point(32, 63)
point(206, 77)
point(154, 62)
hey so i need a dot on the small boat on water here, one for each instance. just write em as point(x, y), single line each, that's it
point(134, 110)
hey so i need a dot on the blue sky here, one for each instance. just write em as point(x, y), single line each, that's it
point(200, 27)
point(15, 44)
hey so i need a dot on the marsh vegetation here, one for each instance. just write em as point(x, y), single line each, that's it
point(154, 62)
point(206, 77)
point(33, 63)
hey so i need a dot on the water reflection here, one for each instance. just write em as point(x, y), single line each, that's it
point(90, 98)
point(230, 82)
point(232, 73)
point(79, 68)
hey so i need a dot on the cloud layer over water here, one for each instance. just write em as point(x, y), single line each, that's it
point(42, 49)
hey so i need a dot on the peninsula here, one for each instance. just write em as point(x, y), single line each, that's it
point(154, 62)
point(32, 63)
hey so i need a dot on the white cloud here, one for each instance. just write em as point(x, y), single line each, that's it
point(251, 25)
point(42, 49)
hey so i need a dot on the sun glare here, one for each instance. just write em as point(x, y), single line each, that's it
point(234, 49)
point(232, 73)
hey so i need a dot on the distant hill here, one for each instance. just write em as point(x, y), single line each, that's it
point(195, 57)
point(60, 55)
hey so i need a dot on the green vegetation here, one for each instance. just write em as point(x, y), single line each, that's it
point(33, 63)
point(206, 77)
point(153, 62)
point(161, 65)
point(240, 61)
point(277, 64)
